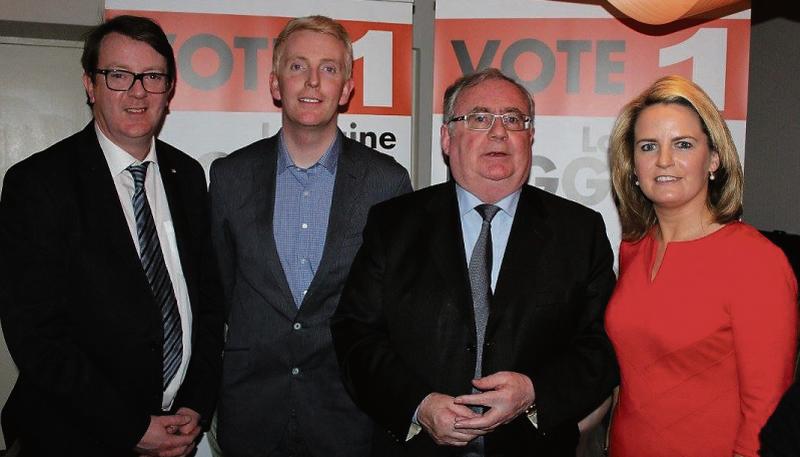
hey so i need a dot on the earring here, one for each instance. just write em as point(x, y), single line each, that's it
point(711, 176)
point(636, 180)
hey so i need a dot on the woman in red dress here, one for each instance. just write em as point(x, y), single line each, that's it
point(704, 316)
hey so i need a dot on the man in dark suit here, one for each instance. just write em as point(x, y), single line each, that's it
point(471, 322)
point(112, 308)
point(287, 214)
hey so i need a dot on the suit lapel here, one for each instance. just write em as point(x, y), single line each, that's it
point(172, 177)
point(104, 215)
point(530, 234)
point(347, 189)
point(447, 249)
point(262, 203)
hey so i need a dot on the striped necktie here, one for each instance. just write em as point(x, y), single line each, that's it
point(157, 276)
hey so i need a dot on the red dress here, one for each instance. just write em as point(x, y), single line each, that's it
point(706, 348)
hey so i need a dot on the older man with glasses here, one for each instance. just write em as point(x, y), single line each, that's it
point(471, 322)
point(109, 296)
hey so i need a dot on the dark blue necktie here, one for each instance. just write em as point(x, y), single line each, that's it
point(157, 276)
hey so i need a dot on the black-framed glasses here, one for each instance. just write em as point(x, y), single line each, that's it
point(484, 121)
point(123, 80)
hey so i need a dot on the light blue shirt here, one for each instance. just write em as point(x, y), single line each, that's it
point(300, 218)
point(471, 223)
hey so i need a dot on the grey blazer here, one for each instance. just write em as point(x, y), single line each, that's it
point(279, 360)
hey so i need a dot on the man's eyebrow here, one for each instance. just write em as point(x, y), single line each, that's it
point(291, 57)
point(484, 109)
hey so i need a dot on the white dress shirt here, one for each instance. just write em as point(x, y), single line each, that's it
point(118, 160)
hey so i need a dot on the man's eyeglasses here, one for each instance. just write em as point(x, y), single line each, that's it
point(485, 121)
point(123, 80)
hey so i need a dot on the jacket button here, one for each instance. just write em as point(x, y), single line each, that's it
point(297, 326)
point(295, 371)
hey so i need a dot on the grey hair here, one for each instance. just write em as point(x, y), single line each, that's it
point(473, 79)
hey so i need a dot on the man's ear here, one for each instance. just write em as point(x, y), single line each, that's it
point(347, 91)
point(444, 135)
point(88, 84)
point(274, 86)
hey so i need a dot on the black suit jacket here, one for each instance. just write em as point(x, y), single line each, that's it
point(279, 360)
point(405, 327)
point(78, 314)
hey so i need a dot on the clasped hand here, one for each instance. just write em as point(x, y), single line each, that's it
point(171, 436)
point(450, 421)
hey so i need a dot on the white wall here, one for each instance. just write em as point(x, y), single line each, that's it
point(74, 12)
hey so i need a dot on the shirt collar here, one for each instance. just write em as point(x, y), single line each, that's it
point(467, 201)
point(328, 160)
point(117, 158)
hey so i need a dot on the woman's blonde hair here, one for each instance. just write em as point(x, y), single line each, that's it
point(636, 211)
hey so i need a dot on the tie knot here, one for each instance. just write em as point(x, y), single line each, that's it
point(487, 211)
point(139, 172)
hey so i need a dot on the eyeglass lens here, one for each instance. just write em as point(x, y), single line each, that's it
point(122, 80)
point(485, 121)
